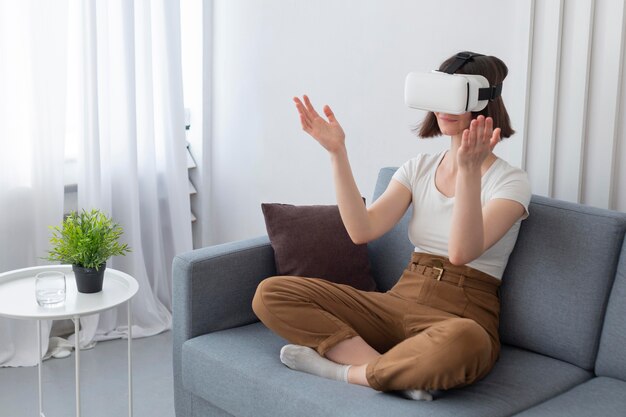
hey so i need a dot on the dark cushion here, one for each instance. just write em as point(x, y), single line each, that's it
point(311, 241)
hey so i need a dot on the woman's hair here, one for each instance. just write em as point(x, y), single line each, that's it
point(495, 71)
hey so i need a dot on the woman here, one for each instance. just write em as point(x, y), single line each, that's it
point(437, 328)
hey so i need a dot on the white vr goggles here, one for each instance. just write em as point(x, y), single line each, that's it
point(447, 92)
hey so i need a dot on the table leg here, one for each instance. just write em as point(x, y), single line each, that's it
point(130, 366)
point(76, 321)
point(39, 368)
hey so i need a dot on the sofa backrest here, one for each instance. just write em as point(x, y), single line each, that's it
point(390, 253)
point(557, 281)
point(612, 353)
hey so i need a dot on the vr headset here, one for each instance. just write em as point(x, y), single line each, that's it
point(447, 92)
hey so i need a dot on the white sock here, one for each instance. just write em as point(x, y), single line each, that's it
point(416, 394)
point(305, 359)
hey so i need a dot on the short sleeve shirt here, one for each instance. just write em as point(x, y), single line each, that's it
point(429, 227)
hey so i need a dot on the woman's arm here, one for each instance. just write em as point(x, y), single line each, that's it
point(474, 228)
point(362, 224)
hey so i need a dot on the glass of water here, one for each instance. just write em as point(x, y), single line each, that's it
point(50, 288)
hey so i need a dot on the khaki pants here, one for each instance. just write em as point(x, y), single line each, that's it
point(437, 328)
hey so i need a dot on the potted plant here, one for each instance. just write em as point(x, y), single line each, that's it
point(86, 240)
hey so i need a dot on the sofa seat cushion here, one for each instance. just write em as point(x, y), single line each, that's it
point(238, 370)
point(600, 396)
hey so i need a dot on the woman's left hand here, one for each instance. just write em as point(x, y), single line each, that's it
point(477, 143)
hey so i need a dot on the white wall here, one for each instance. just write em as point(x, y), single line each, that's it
point(354, 55)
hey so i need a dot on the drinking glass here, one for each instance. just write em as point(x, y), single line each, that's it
point(50, 288)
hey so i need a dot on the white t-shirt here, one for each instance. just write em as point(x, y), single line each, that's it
point(429, 227)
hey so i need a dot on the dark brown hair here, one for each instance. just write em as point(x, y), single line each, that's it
point(495, 71)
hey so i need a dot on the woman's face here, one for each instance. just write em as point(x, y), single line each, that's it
point(453, 124)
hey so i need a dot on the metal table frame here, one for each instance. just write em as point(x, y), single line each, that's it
point(119, 288)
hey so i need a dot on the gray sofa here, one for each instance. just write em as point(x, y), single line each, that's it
point(563, 329)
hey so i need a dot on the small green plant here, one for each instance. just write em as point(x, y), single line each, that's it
point(86, 239)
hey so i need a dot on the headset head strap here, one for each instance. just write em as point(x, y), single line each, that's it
point(463, 58)
point(460, 60)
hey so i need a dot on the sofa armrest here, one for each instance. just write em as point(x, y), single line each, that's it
point(213, 287)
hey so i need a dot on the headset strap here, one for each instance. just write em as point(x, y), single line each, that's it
point(490, 93)
point(463, 58)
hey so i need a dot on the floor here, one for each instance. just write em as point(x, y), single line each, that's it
point(104, 382)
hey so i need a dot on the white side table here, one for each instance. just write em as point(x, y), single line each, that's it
point(17, 300)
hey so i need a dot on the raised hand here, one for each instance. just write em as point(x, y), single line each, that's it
point(328, 133)
point(477, 143)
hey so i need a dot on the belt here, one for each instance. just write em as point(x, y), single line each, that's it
point(441, 274)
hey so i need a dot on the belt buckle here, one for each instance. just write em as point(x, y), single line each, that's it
point(439, 269)
point(439, 272)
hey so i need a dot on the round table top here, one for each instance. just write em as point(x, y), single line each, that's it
point(17, 294)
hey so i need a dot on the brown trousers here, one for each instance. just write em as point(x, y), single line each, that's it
point(437, 328)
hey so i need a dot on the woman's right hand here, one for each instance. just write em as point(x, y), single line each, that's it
point(328, 133)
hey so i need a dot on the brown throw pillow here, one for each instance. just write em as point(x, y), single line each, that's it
point(311, 241)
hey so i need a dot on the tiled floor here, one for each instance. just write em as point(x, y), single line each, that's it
point(104, 382)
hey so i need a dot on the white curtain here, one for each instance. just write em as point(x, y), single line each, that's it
point(129, 117)
point(124, 110)
point(32, 102)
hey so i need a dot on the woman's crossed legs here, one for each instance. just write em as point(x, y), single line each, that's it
point(422, 348)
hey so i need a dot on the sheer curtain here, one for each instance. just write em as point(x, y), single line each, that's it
point(32, 101)
point(124, 111)
point(130, 121)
